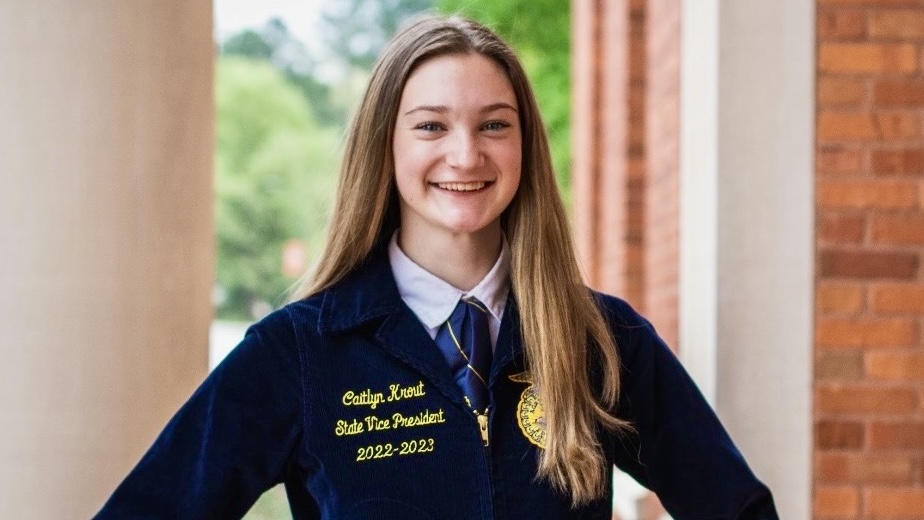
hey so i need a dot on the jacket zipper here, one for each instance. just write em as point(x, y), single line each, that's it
point(483, 426)
point(486, 452)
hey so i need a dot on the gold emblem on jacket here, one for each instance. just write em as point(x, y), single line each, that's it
point(530, 415)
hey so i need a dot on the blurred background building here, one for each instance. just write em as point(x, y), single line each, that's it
point(748, 174)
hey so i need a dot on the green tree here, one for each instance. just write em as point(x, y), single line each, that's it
point(275, 44)
point(356, 31)
point(540, 31)
point(248, 43)
point(274, 175)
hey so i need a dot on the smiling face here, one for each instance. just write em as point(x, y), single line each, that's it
point(457, 147)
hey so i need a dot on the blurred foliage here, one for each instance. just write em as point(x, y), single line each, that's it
point(274, 43)
point(356, 31)
point(275, 167)
point(540, 31)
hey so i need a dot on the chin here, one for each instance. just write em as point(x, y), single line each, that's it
point(470, 227)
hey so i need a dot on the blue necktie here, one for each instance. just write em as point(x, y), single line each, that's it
point(465, 342)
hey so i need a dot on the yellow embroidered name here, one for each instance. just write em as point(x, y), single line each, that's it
point(399, 392)
point(396, 392)
point(364, 398)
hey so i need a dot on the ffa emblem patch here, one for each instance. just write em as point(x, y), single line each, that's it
point(530, 415)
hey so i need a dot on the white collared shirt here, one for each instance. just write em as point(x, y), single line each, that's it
point(433, 299)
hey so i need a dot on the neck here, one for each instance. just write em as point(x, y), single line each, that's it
point(461, 260)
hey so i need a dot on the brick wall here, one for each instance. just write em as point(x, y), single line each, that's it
point(586, 144)
point(636, 155)
point(869, 347)
point(662, 211)
point(608, 144)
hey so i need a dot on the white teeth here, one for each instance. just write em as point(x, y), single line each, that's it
point(461, 186)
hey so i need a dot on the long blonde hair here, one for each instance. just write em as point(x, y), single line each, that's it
point(562, 327)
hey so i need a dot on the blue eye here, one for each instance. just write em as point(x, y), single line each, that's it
point(429, 126)
point(496, 125)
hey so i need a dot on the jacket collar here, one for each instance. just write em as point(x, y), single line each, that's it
point(369, 294)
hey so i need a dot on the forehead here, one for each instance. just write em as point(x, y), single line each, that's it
point(457, 81)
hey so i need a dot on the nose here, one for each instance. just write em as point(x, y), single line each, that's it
point(464, 152)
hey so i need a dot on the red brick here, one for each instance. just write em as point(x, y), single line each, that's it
point(867, 264)
point(841, 91)
point(905, 161)
point(636, 169)
point(897, 126)
point(835, 502)
point(839, 299)
point(871, 58)
point(890, 298)
point(896, 366)
point(886, 502)
point(837, 228)
point(898, 229)
point(897, 435)
point(841, 24)
point(863, 468)
point(865, 126)
point(863, 400)
point(861, 194)
point(866, 332)
point(839, 366)
point(891, 93)
point(905, 24)
point(836, 160)
point(832, 434)
point(846, 126)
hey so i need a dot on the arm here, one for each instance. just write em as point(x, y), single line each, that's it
point(231, 441)
point(680, 449)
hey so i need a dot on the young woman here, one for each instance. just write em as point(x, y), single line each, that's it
point(445, 360)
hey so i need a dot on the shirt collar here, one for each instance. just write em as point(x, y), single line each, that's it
point(433, 299)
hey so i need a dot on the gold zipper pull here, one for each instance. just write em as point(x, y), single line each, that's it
point(483, 426)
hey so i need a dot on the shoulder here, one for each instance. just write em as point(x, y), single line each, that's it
point(619, 313)
point(287, 324)
point(633, 333)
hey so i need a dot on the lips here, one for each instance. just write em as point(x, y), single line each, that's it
point(461, 186)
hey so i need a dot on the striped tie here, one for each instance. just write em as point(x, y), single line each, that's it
point(465, 342)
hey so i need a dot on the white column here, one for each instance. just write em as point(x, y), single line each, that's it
point(747, 227)
point(106, 145)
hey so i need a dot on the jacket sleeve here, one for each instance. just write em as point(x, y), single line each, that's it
point(233, 439)
point(679, 448)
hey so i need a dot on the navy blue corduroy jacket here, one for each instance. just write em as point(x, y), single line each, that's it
point(346, 400)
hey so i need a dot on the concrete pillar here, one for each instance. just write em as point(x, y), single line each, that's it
point(106, 145)
point(747, 227)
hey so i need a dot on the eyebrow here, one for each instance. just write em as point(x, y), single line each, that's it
point(440, 109)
